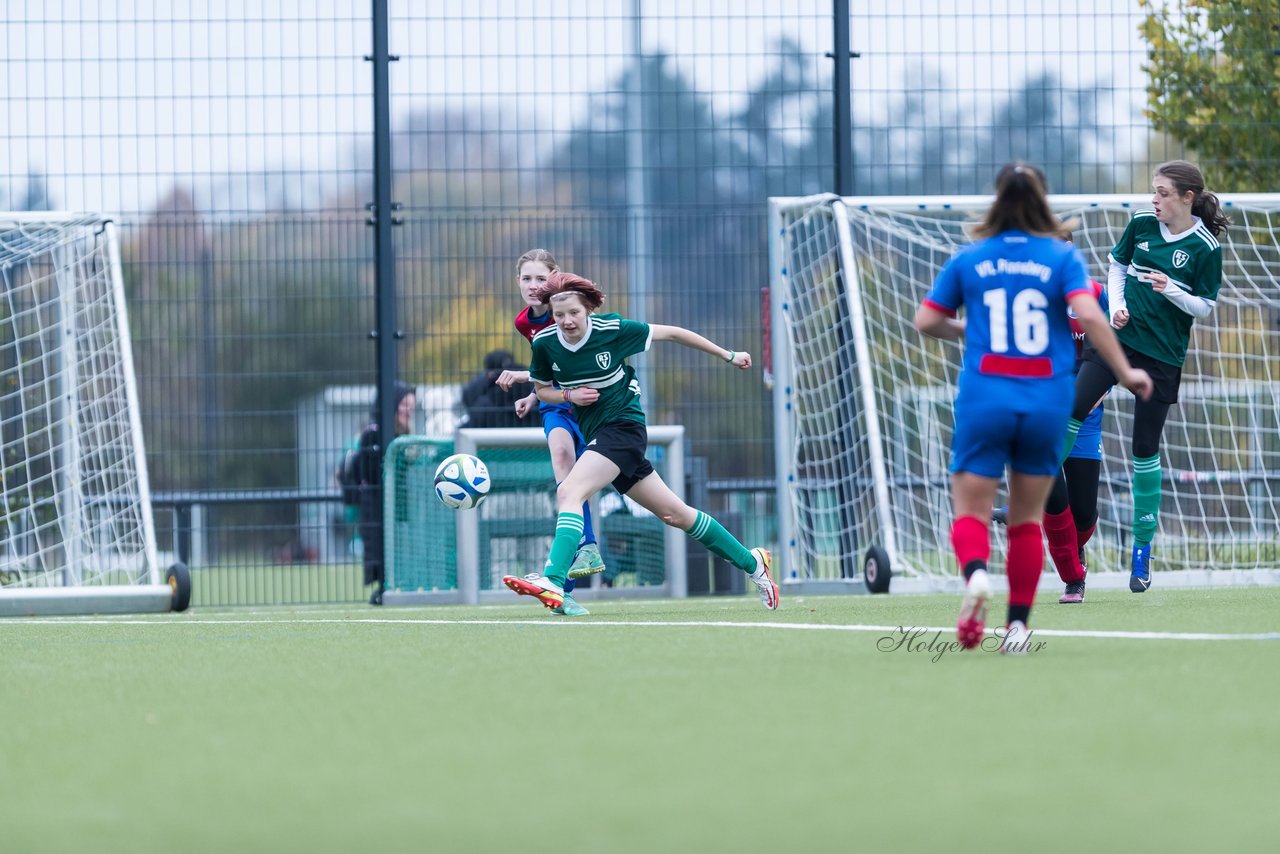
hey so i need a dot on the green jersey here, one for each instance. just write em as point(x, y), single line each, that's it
point(1192, 260)
point(599, 361)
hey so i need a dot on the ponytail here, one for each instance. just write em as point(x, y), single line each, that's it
point(1209, 209)
point(1022, 204)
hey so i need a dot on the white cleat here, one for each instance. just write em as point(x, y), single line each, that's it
point(763, 580)
point(1017, 639)
point(972, 622)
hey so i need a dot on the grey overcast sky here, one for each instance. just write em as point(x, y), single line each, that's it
point(117, 100)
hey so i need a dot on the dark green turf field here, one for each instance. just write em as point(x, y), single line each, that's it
point(648, 727)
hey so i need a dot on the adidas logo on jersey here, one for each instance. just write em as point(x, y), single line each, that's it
point(1143, 246)
point(554, 366)
point(1150, 517)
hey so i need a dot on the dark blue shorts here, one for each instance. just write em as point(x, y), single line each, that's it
point(989, 438)
point(1088, 444)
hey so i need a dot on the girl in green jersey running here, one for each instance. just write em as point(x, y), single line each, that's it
point(1165, 273)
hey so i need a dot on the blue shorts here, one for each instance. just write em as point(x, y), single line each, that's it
point(1088, 444)
point(561, 415)
point(989, 438)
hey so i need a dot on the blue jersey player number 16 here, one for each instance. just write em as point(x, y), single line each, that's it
point(1014, 396)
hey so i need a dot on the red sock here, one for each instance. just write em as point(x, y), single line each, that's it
point(1064, 549)
point(971, 541)
point(1084, 536)
point(1026, 561)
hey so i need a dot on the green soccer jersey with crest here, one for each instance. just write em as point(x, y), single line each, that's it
point(598, 360)
point(1192, 260)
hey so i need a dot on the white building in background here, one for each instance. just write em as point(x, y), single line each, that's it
point(327, 422)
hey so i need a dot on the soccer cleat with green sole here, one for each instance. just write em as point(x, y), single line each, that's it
point(587, 562)
point(570, 608)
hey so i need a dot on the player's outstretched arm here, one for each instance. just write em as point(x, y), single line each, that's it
point(932, 322)
point(526, 404)
point(694, 341)
point(508, 378)
point(1095, 326)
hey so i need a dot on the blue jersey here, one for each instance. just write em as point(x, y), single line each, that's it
point(1018, 347)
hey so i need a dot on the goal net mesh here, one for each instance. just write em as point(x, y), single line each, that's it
point(885, 419)
point(75, 503)
point(516, 522)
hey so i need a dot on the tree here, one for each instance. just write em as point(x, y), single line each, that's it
point(1214, 85)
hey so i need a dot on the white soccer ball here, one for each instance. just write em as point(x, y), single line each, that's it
point(462, 481)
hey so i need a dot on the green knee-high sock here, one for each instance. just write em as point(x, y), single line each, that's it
point(1073, 430)
point(712, 534)
point(568, 533)
point(1146, 498)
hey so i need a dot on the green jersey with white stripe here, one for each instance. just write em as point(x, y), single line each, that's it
point(598, 360)
point(1192, 260)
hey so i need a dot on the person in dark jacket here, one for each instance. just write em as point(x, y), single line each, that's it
point(364, 474)
point(487, 404)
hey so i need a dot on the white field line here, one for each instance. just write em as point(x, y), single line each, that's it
point(678, 624)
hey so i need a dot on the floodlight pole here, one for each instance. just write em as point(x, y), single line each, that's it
point(638, 197)
point(841, 115)
point(385, 333)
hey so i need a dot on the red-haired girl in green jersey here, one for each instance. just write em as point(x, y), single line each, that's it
point(582, 360)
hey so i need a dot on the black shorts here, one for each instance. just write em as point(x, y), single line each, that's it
point(1165, 377)
point(623, 443)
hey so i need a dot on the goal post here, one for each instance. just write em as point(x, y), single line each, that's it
point(435, 555)
point(76, 528)
point(863, 402)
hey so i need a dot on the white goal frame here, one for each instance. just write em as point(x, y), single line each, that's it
point(93, 547)
point(469, 440)
point(868, 426)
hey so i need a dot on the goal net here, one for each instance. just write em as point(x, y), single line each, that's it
point(76, 531)
point(434, 554)
point(863, 402)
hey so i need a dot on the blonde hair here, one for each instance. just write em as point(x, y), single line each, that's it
point(538, 255)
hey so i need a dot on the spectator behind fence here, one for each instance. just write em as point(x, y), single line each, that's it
point(486, 404)
point(360, 476)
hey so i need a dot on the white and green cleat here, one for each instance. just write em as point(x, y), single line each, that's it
point(587, 562)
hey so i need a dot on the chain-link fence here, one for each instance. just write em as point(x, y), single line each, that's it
point(637, 140)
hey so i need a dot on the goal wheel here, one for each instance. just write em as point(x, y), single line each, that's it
point(875, 570)
point(179, 580)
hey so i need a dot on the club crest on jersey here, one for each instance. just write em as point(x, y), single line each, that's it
point(603, 359)
point(1180, 258)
